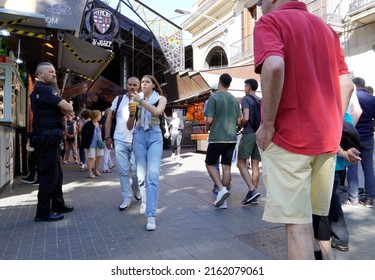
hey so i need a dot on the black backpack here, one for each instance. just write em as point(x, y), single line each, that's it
point(350, 137)
point(254, 117)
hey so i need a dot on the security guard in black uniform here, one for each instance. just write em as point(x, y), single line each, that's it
point(48, 109)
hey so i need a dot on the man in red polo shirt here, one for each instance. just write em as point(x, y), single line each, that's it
point(306, 88)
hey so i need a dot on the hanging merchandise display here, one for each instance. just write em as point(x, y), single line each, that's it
point(195, 112)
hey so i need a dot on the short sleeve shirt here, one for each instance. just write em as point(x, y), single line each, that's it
point(309, 118)
point(225, 110)
point(47, 115)
point(122, 133)
point(245, 104)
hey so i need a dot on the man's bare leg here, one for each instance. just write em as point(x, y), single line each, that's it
point(300, 241)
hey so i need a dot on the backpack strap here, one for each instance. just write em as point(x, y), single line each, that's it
point(136, 111)
point(118, 102)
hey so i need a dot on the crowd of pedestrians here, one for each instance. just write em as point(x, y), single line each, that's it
point(300, 146)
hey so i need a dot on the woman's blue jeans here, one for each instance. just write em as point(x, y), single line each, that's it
point(148, 148)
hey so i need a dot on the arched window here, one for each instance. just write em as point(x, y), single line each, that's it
point(216, 58)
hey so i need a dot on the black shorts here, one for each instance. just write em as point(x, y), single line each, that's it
point(215, 150)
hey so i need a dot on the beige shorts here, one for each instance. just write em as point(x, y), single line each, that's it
point(94, 152)
point(297, 185)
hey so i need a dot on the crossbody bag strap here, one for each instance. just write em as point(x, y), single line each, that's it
point(118, 102)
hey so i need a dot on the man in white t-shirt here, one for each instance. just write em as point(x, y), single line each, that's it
point(122, 140)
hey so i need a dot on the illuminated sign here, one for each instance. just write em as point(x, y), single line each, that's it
point(59, 14)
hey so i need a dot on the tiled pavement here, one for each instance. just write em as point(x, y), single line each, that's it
point(189, 227)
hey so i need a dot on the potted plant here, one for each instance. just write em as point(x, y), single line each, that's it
point(3, 50)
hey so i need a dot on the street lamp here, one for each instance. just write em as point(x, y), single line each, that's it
point(214, 20)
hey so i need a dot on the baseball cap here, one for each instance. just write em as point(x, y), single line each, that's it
point(214, 87)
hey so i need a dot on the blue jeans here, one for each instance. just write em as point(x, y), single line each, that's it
point(339, 230)
point(367, 152)
point(125, 159)
point(148, 148)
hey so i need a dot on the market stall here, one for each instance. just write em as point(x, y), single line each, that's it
point(199, 132)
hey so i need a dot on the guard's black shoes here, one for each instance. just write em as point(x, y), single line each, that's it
point(50, 218)
point(29, 179)
point(64, 209)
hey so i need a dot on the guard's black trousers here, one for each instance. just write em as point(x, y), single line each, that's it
point(50, 177)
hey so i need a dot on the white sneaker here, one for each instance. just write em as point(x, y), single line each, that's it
point(125, 205)
point(142, 209)
point(224, 205)
point(221, 197)
point(151, 225)
point(83, 166)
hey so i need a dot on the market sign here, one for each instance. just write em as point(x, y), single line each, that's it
point(103, 27)
point(59, 14)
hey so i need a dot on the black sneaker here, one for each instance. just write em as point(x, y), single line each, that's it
point(28, 180)
point(250, 197)
point(366, 201)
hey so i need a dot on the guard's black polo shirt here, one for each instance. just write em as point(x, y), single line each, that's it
point(47, 115)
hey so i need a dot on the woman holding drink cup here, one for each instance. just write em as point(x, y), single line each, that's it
point(148, 143)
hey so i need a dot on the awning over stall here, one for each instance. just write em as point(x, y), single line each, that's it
point(73, 54)
point(22, 23)
point(82, 57)
point(182, 88)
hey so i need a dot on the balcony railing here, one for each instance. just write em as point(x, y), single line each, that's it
point(331, 11)
point(357, 5)
point(241, 49)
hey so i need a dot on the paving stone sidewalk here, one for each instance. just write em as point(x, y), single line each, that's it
point(189, 227)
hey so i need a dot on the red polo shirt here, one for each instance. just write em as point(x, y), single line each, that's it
point(309, 117)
